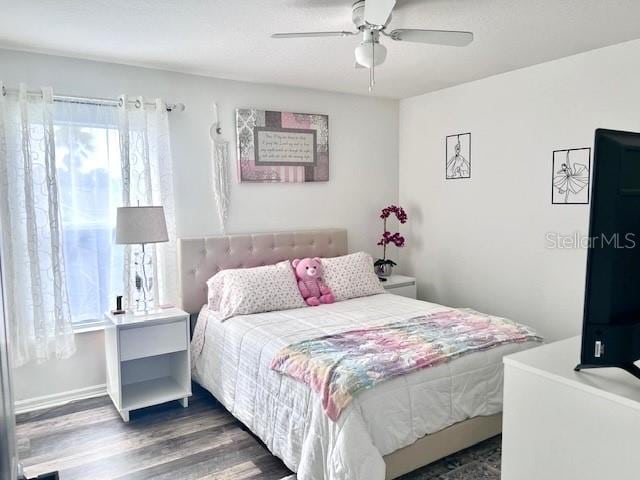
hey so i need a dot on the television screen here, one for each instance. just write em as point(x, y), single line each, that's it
point(611, 328)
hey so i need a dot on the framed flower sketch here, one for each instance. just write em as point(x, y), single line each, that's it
point(282, 147)
point(458, 156)
point(571, 176)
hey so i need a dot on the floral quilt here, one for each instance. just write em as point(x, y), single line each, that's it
point(338, 366)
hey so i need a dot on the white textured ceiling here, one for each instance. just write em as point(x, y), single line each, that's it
point(230, 38)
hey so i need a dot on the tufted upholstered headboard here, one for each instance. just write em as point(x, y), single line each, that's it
point(201, 258)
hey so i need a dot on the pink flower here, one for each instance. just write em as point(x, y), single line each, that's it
point(399, 212)
point(396, 239)
point(387, 237)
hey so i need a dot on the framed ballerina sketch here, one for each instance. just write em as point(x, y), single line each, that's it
point(458, 159)
point(571, 176)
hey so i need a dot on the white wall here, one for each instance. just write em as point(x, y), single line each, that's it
point(363, 135)
point(481, 242)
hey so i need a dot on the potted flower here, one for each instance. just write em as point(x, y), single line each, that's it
point(384, 266)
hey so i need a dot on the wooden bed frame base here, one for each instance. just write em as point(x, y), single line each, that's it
point(431, 448)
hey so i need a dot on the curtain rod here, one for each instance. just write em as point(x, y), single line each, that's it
point(109, 102)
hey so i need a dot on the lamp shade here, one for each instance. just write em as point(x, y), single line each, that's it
point(141, 225)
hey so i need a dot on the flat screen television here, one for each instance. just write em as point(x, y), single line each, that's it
point(611, 324)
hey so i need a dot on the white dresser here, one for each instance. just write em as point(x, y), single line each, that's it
point(566, 425)
point(401, 285)
point(148, 359)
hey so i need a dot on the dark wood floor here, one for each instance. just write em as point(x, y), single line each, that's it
point(88, 440)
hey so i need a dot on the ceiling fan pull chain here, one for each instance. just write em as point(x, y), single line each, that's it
point(372, 70)
point(373, 76)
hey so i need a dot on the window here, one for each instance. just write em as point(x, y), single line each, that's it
point(90, 190)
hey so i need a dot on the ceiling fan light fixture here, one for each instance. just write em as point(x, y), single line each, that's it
point(371, 19)
point(370, 54)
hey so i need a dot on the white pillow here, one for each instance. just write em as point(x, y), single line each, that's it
point(243, 291)
point(351, 276)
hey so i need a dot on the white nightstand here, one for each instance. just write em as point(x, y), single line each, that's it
point(148, 359)
point(401, 285)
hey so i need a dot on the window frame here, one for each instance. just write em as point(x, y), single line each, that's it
point(92, 324)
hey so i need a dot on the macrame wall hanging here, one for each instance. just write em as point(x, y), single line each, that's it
point(220, 158)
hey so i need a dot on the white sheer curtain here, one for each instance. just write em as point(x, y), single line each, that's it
point(64, 170)
point(32, 243)
point(147, 179)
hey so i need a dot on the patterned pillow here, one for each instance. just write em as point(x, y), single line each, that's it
point(244, 291)
point(351, 276)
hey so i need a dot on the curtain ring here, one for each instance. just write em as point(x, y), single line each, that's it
point(120, 102)
point(138, 103)
point(4, 91)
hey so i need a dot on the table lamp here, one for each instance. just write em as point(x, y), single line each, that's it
point(140, 226)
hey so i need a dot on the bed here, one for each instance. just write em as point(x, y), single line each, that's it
point(387, 431)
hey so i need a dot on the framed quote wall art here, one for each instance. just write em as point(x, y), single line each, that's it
point(282, 147)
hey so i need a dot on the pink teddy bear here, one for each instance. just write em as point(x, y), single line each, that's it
point(312, 287)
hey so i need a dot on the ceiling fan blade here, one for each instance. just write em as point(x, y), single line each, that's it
point(376, 12)
point(436, 37)
point(312, 34)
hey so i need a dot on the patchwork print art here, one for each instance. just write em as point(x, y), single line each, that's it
point(282, 147)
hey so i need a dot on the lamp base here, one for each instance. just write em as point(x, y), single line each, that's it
point(144, 281)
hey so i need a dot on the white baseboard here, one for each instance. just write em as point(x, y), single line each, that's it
point(56, 399)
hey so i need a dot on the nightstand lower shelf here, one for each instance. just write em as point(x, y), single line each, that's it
point(152, 392)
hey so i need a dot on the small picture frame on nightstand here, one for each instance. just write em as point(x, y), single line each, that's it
point(119, 310)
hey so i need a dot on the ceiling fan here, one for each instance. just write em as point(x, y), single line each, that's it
point(371, 18)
